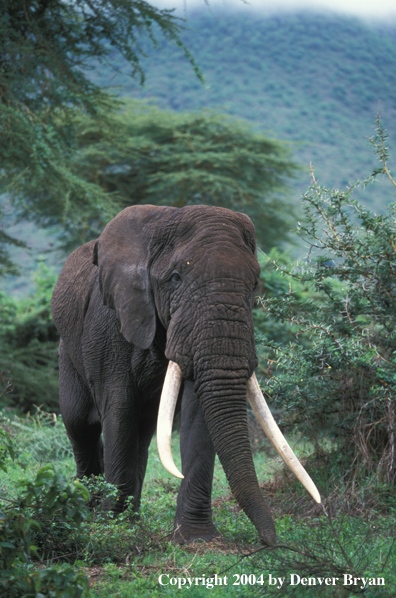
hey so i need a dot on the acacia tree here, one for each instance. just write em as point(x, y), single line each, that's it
point(47, 48)
point(148, 155)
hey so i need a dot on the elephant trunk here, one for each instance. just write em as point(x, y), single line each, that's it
point(221, 362)
point(222, 393)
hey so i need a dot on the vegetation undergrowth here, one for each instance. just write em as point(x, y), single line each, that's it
point(29, 347)
point(50, 541)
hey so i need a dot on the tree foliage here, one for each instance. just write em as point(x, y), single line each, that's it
point(48, 48)
point(147, 155)
point(339, 371)
point(29, 347)
point(72, 154)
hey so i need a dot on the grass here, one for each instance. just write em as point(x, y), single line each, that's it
point(352, 535)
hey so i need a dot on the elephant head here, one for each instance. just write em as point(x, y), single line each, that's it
point(186, 277)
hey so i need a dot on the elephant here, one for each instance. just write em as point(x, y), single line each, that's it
point(155, 316)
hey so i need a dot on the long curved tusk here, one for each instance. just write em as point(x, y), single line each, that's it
point(270, 427)
point(166, 412)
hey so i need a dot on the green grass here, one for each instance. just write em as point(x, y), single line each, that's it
point(123, 557)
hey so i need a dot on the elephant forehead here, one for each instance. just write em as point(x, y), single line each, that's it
point(204, 221)
point(213, 238)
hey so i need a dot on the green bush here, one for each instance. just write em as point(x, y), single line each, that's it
point(46, 507)
point(29, 347)
point(339, 371)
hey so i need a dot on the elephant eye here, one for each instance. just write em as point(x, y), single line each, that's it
point(176, 278)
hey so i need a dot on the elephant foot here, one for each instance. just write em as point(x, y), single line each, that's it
point(184, 534)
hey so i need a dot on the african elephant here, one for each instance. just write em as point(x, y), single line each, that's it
point(161, 286)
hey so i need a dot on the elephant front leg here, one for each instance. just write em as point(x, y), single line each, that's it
point(194, 512)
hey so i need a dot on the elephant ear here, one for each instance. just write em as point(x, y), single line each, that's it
point(249, 233)
point(122, 256)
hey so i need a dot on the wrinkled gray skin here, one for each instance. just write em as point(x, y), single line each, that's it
point(163, 284)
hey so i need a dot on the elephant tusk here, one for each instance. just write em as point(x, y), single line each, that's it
point(166, 412)
point(270, 427)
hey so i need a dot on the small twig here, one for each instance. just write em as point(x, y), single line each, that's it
point(278, 267)
point(388, 555)
point(313, 176)
point(61, 556)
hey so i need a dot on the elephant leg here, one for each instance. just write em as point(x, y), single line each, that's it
point(121, 438)
point(80, 417)
point(194, 512)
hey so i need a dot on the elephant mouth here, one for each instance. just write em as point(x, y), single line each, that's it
point(260, 409)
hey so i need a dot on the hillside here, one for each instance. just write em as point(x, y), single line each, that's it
point(312, 79)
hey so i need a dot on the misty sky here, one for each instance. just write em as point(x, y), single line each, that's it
point(371, 9)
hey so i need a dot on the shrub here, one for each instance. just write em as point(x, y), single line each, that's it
point(339, 371)
point(29, 346)
point(46, 506)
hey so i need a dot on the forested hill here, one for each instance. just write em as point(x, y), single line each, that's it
point(315, 79)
